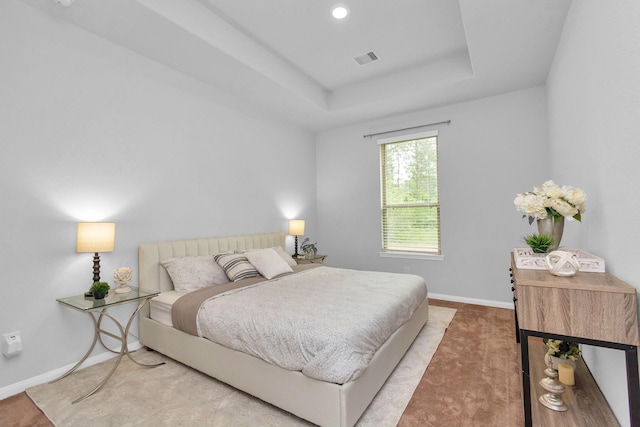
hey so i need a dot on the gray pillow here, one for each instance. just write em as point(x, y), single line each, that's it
point(194, 272)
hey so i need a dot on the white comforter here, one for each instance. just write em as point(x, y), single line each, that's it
point(325, 322)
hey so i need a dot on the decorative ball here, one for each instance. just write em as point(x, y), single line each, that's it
point(562, 263)
point(122, 275)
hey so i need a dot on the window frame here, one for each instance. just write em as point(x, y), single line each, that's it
point(418, 254)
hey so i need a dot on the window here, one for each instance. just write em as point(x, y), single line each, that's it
point(410, 204)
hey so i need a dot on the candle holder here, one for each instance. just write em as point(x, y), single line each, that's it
point(553, 398)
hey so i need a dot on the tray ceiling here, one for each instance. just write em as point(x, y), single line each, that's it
point(291, 59)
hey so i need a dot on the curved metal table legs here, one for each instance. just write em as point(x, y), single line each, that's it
point(124, 348)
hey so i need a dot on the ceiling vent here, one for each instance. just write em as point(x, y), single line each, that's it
point(366, 58)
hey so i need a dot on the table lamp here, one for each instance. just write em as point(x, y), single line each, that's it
point(296, 228)
point(96, 237)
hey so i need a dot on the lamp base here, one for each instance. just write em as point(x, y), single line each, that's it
point(295, 254)
point(96, 267)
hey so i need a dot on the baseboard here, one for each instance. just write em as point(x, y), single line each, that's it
point(489, 303)
point(21, 386)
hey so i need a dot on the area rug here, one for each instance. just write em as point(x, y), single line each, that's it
point(176, 395)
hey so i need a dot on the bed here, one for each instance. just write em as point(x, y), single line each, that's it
point(320, 402)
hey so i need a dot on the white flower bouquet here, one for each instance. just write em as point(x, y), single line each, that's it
point(551, 200)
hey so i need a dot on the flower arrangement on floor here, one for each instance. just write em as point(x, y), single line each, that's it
point(551, 200)
point(563, 349)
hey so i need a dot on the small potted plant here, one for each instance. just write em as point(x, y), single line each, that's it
point(309, 249)
point(562, 352)
point(540, 243)
point(99, 290)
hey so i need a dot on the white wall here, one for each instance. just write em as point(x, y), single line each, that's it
point(91, 131)
point(594, 128)
point(493, 149)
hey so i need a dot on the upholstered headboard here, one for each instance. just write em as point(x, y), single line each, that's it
point(152, 275)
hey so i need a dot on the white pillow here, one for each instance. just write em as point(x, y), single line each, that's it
point(268, 262)
point(236, 266)
point(193, 272)
point(281, 252)
point(285, 256)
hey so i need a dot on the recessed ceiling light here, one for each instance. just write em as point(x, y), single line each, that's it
point(339, 12)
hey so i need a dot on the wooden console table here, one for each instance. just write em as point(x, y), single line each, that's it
point(588, 308)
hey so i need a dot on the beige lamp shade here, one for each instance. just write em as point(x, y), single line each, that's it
point(96, 237)
point(296, 227)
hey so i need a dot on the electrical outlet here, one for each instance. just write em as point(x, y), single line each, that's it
point(407, 270)
point(11, 344)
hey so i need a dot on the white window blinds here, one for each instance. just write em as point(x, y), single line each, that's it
point(410, 203)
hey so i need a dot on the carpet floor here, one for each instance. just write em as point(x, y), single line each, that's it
point(174, 394)
point(474, 377)
point(472, 398)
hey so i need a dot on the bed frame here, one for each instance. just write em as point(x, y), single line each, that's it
point(320, 402)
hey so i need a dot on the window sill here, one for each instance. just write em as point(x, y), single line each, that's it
point(411, 255)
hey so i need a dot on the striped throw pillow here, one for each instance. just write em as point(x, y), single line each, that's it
point(236, 266)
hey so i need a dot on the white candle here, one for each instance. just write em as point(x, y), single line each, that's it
point(566, 374)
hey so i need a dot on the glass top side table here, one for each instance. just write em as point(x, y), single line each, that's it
point(82, 303)
point(97, 310)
